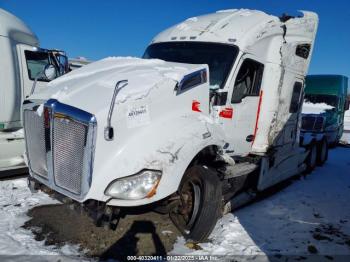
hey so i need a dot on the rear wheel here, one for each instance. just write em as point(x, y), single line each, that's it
point(322, 152)
point(199, 204)
point(311, 160)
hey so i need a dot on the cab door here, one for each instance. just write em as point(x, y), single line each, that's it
point(244, 97)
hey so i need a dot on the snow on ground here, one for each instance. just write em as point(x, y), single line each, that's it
point(287, 222)
point(19, 133)
point(318, 108)
point(15, 201)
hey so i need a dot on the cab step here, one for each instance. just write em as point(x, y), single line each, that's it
point(240, 169)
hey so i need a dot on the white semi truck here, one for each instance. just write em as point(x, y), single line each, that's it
point(22, 61)
point(207, 119)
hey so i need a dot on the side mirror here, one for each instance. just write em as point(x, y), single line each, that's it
point(50, 72)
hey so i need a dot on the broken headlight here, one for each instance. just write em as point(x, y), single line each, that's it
point(139, 186)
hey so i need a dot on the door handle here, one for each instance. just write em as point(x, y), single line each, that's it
point(250, 138)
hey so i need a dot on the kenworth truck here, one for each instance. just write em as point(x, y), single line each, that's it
point(207, 119)
point(22, 63)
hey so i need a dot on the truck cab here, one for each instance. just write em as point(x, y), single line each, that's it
point(332, 91)
point(22, 61)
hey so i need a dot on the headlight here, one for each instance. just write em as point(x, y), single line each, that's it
point(137, 186)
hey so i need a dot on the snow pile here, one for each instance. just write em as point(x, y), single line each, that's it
point(123, 65)
point(15, 201)
point(142, 74)
point(19, 133)
point(192, 19)
point(307, 213)
point(317, 108)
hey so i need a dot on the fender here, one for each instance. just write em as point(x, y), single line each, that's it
point(171, 152)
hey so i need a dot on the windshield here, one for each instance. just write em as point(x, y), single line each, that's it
point(328, 99)
point(219, 57)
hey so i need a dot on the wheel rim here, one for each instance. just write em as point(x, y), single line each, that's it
point(188, 207)
point(196, 202)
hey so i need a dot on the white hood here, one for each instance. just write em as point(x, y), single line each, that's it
point(91, 87)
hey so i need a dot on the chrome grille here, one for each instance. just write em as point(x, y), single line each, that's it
point(68, 142)
point(36, 142)
point(60, 146)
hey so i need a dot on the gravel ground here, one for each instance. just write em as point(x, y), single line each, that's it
point(139, 234)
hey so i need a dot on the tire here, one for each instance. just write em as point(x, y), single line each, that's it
point(200, 203)
point(322, 152)
point(311, 160)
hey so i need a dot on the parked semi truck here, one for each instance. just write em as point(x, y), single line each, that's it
point(206, 120)
point(22, 61)
point(331, 91)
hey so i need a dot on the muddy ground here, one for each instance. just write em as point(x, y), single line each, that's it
point(143, 233)
point(137, 234)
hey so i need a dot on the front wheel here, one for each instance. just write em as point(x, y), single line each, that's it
point(199, 204)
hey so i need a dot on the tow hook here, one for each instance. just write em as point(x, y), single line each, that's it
point(33, 186)
point(108, 218)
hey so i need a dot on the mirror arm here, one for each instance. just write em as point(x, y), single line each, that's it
point(109, 132)
point(35, 81)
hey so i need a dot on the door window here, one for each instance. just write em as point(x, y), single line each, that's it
point(248, 80)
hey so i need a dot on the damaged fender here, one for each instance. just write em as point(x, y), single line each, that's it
point(172, 156)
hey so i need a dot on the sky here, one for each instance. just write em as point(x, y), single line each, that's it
point(98, 29)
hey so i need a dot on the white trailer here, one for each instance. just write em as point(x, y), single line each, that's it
point(209, 118)
point(346, 136)
point(21, 62)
